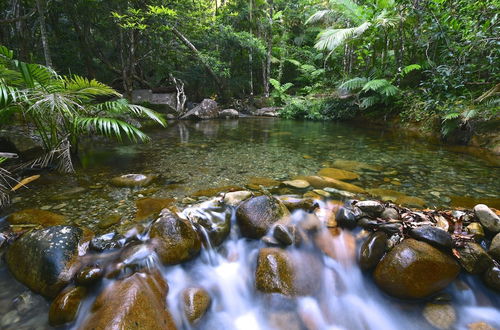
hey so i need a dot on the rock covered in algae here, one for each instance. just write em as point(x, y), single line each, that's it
point(415, 269)
point(37, 217)
point(133, 180)
point(195, 303)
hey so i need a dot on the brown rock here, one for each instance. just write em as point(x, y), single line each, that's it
point(415, 269)
point(372, 250)
point(494, 250)
point(410, 201)
point(265, 182)
point(196, 302)
point(351, 165)
point(470, 202)
point(174, 240)
point(151, 206)
point(480, 326)
point(297, 184)
point(321, 182)
point(440, 316)
point(294, 203)
point(338, 174)
point(36, 217)
point(65, 306)
point(133, 180)
point(256, 216)
point(280, 271)
point(136, 302)
point(210, 192)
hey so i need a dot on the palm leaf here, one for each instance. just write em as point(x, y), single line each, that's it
point(320, 16)
point(86, 87)
point(111, 127)
point(375, 85)
point(329, 39)
point(355, 83)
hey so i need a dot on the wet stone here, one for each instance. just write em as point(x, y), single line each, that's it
point(107, 241)
point(297, 184)
point(474, 258)
point(476, 229)
point(372, 250)
point(65, 306)
point(440, 316)
point(372, 208)
point(37, 217)
point(492, 277)
point(196, 302)
point(45, 259)
point(415, 269)
point(432, 235)
point(346, 218)
point(282, 235)
point(367, 223)
point(257, 215)
point(391, 228)
point(174, 239)
point(89, 275)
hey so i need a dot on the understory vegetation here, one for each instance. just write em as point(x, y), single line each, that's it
point(419, 61)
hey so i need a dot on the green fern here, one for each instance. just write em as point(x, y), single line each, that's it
point(354, 84)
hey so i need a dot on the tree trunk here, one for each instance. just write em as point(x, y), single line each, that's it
point(197, 54)
point(43, 32)
point(267, 70)
point(250, 53)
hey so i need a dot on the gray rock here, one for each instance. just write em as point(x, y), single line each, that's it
point(488, 218)
point(346, 218)
point(207, 109)
point(229, 113)
point(372, 208)
point(267, 112)
point(282, 235)
point(390, 213)
point(433, 235)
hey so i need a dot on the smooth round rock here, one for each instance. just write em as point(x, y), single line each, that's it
point(282, 234)
point(391, 227)
point(174, 240)
point(196, 302)
point(476, 229)
point(236, 197)
point(338, 174)
point(372, 250)
point(257, 215)
point(36, 217)
point(346, 218)
point(367, 223)
point(440, 316)
point(297, 184)
point(65, 306)
point(89, 275)
point(432, 235)
point(488, 218)
point(45, 260)
point(415, 269)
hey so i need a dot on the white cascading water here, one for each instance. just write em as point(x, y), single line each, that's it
point(348, 298)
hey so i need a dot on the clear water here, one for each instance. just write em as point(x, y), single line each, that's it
point(192, 156)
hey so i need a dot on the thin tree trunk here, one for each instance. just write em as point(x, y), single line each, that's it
point(196, 53)
point(43, 32)
point(250, 53)
point(267, 71)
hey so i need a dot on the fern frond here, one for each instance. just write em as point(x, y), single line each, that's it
point(354, 83)
point(110, 127)
point(329, 39)
point(369, 101)
point(375, 85)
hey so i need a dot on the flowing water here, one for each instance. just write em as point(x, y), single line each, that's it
point(194, 156)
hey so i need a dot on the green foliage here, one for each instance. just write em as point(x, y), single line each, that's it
point(63, 108)
point(279, 93)
point(370, 92)
point(319, 109)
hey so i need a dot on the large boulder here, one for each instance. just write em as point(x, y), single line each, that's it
point(36, 217)
point(136, 302)
point(488, 218)
point(415, 269)
point(174, 239)
point(288, 273)
point(257, 215)
point(207, 109)
point(45, 260)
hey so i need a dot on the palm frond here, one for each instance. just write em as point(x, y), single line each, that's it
point(123, 107)
point(320, 16)
point(355, 83)
point(329, 39)
point(350, 9)
point(369, 101)
point(87, 87)
point(388, 90)
point(386, 19)
point(375, 85)
point(110, 127)
point(409, 68)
